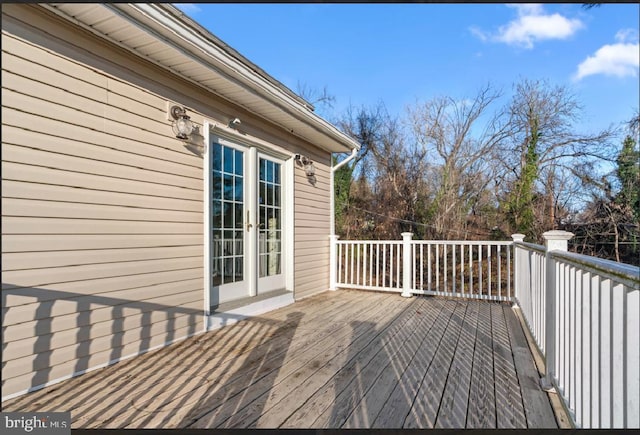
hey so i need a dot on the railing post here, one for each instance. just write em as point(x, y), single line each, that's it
point(554, 241)
point(407, 265)
point(517, 273)
point(333, 261)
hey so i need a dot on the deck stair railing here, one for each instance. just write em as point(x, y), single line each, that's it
point(583, 313)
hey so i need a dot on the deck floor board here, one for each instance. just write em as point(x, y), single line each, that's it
point(347, 359)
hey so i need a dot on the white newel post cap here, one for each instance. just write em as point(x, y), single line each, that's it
point(517, 237)
point(406, 235)
point(556, 240)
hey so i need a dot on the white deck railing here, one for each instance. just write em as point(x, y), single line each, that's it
point(480, 270)
point(583, 312)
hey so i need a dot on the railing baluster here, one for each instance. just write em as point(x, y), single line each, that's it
point(471, 289)
point(421, 267)
point(480, 269)
point(377, 264)
point(489, 288)
point(596, 287)
point(579, 328)
point(509, 272)
point(413, 266)
point(453, 268)
point(446, 270)
point(499, 261)
point(429, 266)
point(339, 264)
point(353, 254)
point(618, 398)
point(364, 263)
point(384, 265)
point(371, 264)
point(462, 269)
point(437, 269)
point(398, 266)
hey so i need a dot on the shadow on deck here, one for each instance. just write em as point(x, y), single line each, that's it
point(340, 359)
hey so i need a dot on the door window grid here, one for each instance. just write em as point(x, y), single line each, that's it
point(270, 218)
point(227, 213)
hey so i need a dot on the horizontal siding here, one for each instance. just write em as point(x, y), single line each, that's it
point(95, 360)
point(48, 259)
point(102, 223)
point(47, 276)
point(312, 229)
point(35, 191)
point(33, 208)
point(38, 304)
point(63, 242)
point(171, 294)
point(75, 335)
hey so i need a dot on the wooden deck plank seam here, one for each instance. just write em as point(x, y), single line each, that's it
point(317, 345)
point(340, 410)
point(396, 409)
point(432, 384)
point(283, 387)
point(343, 375)
point(373, 394)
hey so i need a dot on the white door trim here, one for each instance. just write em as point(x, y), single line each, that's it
point(254, 146)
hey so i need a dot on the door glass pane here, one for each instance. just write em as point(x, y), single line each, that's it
point(216, 157)
point(269, 234)
point(227, 211)
point(238, 170)
point(228, 160)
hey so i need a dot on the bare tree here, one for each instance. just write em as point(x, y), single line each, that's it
point(544, 144)
point(320, 99)
point(461, 149)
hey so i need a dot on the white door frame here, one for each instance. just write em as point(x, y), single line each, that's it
point(254, 145)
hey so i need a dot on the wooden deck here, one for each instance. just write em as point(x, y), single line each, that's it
point(347, 359)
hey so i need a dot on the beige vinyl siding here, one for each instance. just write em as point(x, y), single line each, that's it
point(102, 229)
point(312, 228)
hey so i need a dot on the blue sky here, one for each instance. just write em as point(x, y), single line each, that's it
point(400, 53)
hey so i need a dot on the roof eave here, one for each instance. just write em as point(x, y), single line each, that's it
point(170, 26)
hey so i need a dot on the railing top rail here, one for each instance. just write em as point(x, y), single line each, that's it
point(532, 247)
point(432, 242)
point(374, 242)
point(623, 273)
point(464, 242)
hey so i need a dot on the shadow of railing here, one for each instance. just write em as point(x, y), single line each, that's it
point(449, 365)
point(184, 384)
point(239, 395)
point(72, 333)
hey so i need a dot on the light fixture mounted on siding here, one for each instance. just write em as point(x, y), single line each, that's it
point(306, 164)
point(182, 125)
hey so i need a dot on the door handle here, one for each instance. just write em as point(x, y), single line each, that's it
point(249, 225)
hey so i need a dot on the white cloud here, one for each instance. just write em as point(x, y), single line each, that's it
point(531, 26)
point(621, 59)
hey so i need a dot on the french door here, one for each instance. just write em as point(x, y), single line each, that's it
point(246, 215)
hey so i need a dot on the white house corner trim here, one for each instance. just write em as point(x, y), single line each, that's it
point(289, 216)
point(206, 167)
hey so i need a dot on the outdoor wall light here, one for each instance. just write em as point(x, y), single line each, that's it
point(182, 125)
point(234, 123)
point(306, 164)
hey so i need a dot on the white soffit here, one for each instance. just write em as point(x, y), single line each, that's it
point(161, 34)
